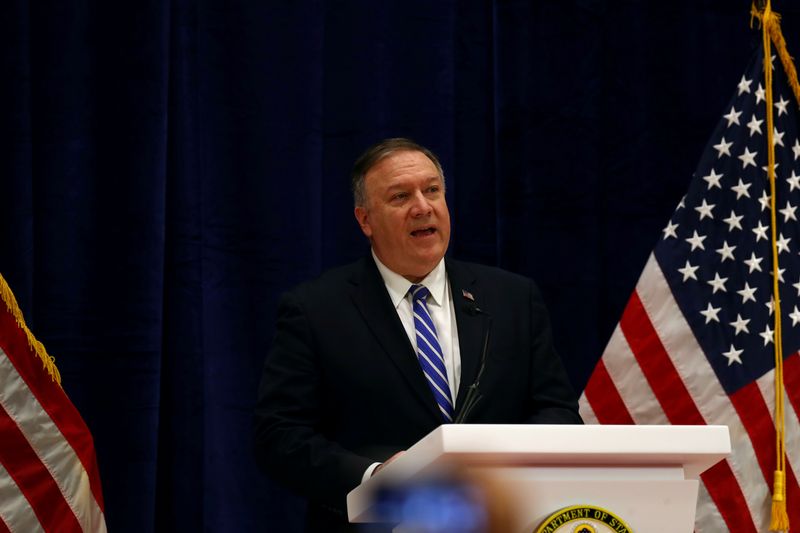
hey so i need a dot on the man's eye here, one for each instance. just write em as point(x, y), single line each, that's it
point(433, 188)
point(399, 196)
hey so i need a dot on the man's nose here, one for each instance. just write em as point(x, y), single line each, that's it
point(420, 206)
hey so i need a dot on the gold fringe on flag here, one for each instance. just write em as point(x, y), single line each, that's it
point(771, 33)
point(48, 362)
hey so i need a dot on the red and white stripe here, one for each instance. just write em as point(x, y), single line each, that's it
point(49, 479)
point(653, 371)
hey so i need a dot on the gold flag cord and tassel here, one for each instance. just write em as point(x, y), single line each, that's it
point(771, 34)
point(11, 304)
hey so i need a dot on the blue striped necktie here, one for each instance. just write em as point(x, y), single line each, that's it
point(429, 352)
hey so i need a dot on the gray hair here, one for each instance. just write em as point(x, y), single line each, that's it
point(376, 153)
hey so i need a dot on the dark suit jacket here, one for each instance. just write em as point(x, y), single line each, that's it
point(342, 387)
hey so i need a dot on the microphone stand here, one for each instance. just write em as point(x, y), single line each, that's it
point(473, 394)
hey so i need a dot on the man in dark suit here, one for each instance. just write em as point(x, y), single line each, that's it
point(370, 357)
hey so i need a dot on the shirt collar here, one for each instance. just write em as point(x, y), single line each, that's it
point(397, 285)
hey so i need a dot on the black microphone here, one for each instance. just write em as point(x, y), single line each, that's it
point(473, 394)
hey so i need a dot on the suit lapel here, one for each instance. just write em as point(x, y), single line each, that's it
point(375, 306)
point(470, 325)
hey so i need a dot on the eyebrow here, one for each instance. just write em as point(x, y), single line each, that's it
point(403, 185)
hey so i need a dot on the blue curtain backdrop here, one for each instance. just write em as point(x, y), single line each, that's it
point(168, 168)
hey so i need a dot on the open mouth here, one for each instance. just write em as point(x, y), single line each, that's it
point(423, 232)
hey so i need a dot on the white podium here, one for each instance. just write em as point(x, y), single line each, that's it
point(645, 475)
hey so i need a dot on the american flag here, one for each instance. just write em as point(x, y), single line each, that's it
point(49, 480)
point(695, 342)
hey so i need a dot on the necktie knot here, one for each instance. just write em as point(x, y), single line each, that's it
point(419, 292)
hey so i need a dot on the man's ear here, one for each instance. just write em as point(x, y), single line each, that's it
point(363, 220)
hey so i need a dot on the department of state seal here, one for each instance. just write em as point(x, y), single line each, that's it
point(583, 519)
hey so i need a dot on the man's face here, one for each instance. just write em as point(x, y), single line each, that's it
point(405, 216)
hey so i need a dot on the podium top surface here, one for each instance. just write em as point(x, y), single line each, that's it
point(553, 443)
point(692, 447)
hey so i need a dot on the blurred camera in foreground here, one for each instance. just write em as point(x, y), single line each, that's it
point(448, 499)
